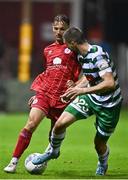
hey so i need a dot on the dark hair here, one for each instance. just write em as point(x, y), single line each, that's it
point(63, 18)
point(74, 34)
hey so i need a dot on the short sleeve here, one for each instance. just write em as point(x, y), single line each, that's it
point(103, 65)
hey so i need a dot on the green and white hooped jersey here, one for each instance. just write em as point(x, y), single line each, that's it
point(95, 64)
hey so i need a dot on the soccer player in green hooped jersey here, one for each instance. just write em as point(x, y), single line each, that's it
point(97, 93)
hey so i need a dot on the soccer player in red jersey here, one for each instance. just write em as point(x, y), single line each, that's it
point(61, 67)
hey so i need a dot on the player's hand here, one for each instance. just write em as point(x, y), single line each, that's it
point(72, 93)
point(31, 101)
point(70, 83)
point(64, 99)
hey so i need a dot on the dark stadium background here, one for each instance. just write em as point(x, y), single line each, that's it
point(104, 22)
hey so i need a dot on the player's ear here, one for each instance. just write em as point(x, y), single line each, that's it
point(53, 26)
point(72, 43)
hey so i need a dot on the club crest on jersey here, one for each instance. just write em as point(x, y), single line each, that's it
point(67, 51)
point(57, 60)
point(50, 52)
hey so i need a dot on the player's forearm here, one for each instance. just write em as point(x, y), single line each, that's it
point(107, 84)
point(83, 82)
point(101, 87)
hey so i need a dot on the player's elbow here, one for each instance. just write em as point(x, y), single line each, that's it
point(111, 84)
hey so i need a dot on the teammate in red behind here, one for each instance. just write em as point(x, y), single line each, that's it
point(61, 69)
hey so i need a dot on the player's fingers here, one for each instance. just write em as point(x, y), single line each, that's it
point(73, 97)
point(70, 83)
point(65, 100)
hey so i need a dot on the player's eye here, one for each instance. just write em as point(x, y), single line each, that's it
point(62, 29)
point(55, 28)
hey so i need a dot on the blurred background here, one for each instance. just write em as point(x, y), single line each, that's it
point(25, 29)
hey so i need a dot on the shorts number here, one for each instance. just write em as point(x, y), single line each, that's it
point(82, 105)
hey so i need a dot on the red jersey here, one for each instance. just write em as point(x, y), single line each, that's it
point(61, 66)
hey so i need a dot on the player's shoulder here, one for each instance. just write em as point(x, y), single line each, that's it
point(49, 46)
point(95, 51)
point(68, 51)
point(54, 46)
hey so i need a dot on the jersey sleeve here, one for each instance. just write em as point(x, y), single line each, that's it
point(103, 65)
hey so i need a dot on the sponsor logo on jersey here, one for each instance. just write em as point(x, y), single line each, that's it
point(57, 60)
point(67, 51)
point(35, 101)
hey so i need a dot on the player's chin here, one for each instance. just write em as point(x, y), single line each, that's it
point(59, 40)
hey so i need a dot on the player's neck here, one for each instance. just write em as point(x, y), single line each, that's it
point(59, 42)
